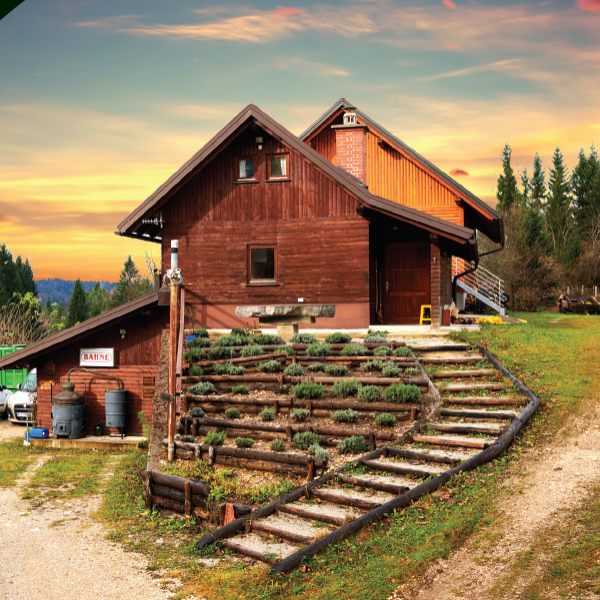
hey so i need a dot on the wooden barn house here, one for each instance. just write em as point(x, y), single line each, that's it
point(346, 214)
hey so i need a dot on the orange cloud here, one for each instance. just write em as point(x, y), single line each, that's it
point(449, 3)
point(283, 11)
point(458, 173)
point(591, 5)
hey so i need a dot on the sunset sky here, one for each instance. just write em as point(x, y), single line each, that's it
point(102, 100)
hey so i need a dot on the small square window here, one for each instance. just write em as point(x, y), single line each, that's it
point(278, 167)
point(262, 264)
point(246, 168)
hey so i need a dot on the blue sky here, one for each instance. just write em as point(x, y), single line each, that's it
point(100, 101)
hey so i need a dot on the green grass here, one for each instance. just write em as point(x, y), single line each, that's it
point(14, 459)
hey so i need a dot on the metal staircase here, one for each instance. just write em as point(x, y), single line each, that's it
point(482, 284)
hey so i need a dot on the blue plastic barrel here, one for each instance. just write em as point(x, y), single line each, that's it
point(116, 409)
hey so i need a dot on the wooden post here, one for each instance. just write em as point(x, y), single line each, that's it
point(311, 470)
point(172, 372)
point(188, 498)
point(148, 488)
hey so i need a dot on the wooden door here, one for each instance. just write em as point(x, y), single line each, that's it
point(407, 282)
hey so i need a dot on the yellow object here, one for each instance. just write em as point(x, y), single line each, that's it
point(496, 320)
point(423, 317)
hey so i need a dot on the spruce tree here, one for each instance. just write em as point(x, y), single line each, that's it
point(526, 184)
point(507, 193)
point(97, 300)
point(130, 285)
point(586, 192)
point(538, 183)
point(48, 306)
point(78, 306)
point(10, 282)
point(559, 214)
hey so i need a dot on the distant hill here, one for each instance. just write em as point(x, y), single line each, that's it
point(60, 290)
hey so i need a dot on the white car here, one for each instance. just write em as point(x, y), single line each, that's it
point(20, 404)
point(5, 394)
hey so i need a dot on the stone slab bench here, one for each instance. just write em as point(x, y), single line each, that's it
point(286, 317)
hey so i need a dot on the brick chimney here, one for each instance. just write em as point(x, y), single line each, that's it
point(351, 145)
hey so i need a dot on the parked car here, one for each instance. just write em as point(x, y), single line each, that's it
point(20, 404)
point(5, 394)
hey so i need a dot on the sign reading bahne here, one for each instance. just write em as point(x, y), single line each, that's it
point(96, 357)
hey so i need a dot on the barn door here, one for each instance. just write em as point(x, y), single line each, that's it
point(407, 282)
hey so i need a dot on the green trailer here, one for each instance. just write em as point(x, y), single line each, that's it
point(12, 378)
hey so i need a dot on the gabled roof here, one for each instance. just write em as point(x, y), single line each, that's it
point(342, 104)
point(78, 331)
point(132, 226)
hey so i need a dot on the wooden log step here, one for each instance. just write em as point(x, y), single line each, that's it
point(440, 440)
point(398, 469)
point(422, 456)
point(342, 500)
point(478, 414)
point(466, 428)
point(311, 516)
point(375, 485)
point(173, 494)
point(244, 360)
point(487, 400)
point(458, 360)
point(467, 387)
point(244, 551)
point(464, 373)
point(197, 487)
point(268, 530)
point(441, 348)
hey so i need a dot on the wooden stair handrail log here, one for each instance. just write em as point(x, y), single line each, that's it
point(199, 488)
point(296, 538)
point(341, 500)
point(374, 485)
point(465, 374)
point(398, 469)
point(247, 552)
point(432, 389)
point(423, 457)
point(441, 441)
point(290, 562)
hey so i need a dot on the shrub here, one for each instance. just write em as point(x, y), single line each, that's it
point(237, 331)
point(303, 338)
point(220, 352)
point(376, 336)
point(232, 413)
point(382, 351)
point(269, 367)
point(354, 350)
point(278, 445)
point(229, 369)
point(199, 342)
point(410, 370)
point(346, 387)
point(391, 370)
point(399, 392)
point(402, 351)
point(316, 367)
point(242, 442)
point(345, 416)
point(305, 439)
point(352, 445)
point(385, 420)
point(268, 414)
point(201, 332)
point(338, 338)
point(233, 339)
point(201, 389)
point(196, 371)
point(267, 339)
point(318, 451)
point(299, 414)
point(197, 412)
point(336, 370)
point(240, 389)
point(373, 365)
point(193, 355)
point(287, 350)
point(294, 370)
point(187, 438)
point(308, 389)
point(369, 393)
point(215, 438)
point(316, 349)
point(252, 350)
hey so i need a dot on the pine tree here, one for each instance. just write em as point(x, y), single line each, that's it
point(48, 306)
point(507, 193)
point(97, 300)
point(130, 285)
point(586, 191)
point(538, 183)
point(559, 213)
point(78, 307)
point(526, 184)
point(25, 273)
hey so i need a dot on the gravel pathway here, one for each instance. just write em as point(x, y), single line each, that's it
point(9, 432)
point(59, 552)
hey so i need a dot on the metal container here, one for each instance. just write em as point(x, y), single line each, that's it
point(67, 413)
point(116, 409)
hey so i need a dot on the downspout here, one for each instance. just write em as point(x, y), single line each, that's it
point(473, 269)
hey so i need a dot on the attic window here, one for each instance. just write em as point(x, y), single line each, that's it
point(262, 265)
point(278, 167)
point(246, 169)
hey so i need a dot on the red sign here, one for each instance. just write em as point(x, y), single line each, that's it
point(96, 357)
